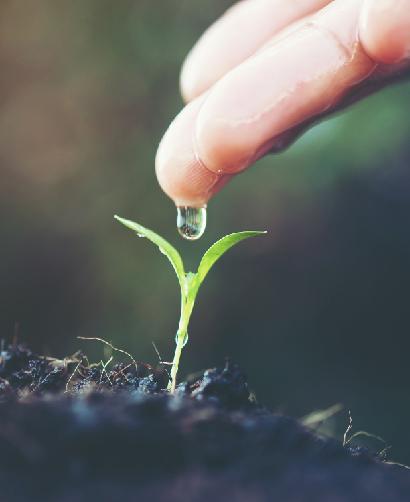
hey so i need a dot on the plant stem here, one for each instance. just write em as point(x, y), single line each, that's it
point(187, 304)
point(175, 363)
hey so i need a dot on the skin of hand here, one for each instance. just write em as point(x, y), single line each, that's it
point(264, 72)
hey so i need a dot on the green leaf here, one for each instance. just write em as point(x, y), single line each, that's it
point(164, 246)
point(221, 247)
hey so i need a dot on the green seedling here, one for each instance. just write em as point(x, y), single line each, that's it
point(189, 282)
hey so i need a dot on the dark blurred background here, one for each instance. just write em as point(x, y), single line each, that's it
point(317, 312)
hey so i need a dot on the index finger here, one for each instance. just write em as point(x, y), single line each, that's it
point(238, 34)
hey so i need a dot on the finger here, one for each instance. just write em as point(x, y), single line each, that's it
point(291, 81)
point(180, 173)
point(238, 34)
point(385, 30)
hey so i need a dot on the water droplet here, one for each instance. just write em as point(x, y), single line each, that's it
point(185, 339)
point(191, 222)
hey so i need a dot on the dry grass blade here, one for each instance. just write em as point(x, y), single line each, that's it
point(72, 375)
point(96, 339)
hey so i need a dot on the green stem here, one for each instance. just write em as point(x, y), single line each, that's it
point(187, 304)
point(175, 363)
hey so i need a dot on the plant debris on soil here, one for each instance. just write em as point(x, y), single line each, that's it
point(71, 431)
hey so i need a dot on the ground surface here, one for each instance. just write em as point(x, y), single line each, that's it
point(73, 432)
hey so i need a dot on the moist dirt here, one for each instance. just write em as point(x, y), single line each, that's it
point(73, 432)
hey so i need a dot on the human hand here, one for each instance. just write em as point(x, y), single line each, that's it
point(267, 70)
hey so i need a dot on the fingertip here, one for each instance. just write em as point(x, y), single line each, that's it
point(180, 173)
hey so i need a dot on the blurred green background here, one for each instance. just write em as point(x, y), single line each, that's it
point(317, 312)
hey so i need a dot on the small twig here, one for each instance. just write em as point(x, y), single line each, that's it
point(398, 465)
point(365, 434)
point(382, 453)
point(111, 346)
point(72, 374)
point(349, 428)
point(157, 351)
point(347, 440)
point(41, 382)
point(104, 370)
point(121, 371)
point(159, 356)
point(164, 363)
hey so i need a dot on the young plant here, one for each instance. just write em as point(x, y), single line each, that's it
point(189, 282)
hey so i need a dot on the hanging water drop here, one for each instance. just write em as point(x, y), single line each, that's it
point(191, 222)
point(185, 339)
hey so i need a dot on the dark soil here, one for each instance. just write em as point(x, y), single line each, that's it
point(70, 431)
